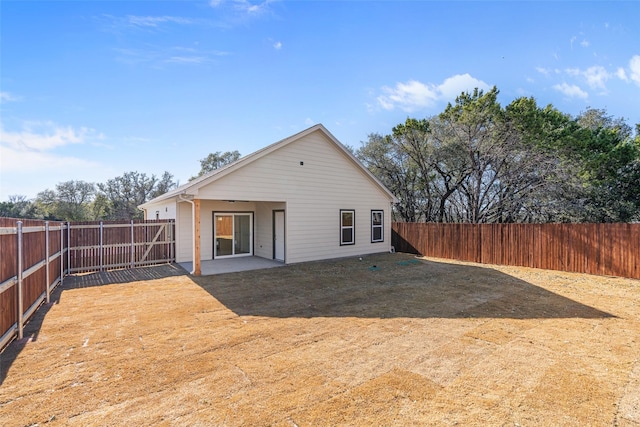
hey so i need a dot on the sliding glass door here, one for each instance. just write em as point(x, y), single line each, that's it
point(242, 234)
point(233, 234)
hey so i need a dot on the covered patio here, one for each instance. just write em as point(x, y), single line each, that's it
point(232, 265)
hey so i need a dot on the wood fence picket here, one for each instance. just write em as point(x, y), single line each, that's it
point(601, 249)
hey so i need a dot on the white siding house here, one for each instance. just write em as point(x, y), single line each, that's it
point(301, 199)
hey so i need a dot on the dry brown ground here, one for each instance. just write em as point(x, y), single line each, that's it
point(413, 342)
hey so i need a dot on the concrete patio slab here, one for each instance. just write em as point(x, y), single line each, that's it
point(233, 265)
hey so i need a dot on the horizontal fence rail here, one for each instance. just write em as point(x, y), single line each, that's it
point(600, 249)
point(35, 256)
point(32, 264)
point(99, 246)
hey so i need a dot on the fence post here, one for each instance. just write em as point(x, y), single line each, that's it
point(68, 247)
point(101, 244)
point(46, 256)
point(133, 255)
point(19, 235)
point(61, 254)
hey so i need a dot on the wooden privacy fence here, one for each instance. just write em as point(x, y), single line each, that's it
point(32, 264)
point(108, 245)
point(36, 255)
point(602, 249)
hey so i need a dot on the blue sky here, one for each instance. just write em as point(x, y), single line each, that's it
point(90, 90)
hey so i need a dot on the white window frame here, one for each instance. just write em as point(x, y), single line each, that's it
point(352, 227)
point(375, 226)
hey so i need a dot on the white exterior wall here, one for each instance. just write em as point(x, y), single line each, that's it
point(313, 192)
point(166, 209)
point(184, 239)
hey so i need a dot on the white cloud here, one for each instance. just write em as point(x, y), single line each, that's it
point(596, 77)
point(454, 86)
point(42, 136)
point(234, 13)
point(186, 59)
point(543, 71)
point(572, 91)
point(18, 161)
point(309, 122)
point(118, 24)
point(408, 96)
point(277, 45)
point(157, 56)
point(573, 71)
point(32, 158)
point(414, 95)
point(252, 8)
point(7, 97)
point(29, 172)
point(634, 66)
point(155, 21)
point(244, 6)
point(583, 43)
point(32, 147)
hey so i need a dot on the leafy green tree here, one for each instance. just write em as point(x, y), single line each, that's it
point(215, 161)
point(120, 196)
point(609, 167)
point(18, 206)
point(549, 133)
point(386, 159)
point(70, 201)
point(164, 184)
point(484, 170)
point(480, 162)
point(100, 206)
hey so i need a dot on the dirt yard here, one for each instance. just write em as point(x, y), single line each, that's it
point(407, 342)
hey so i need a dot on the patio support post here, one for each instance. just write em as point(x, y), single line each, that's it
point(196, 238)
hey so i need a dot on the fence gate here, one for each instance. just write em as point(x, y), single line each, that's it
point(99, 246)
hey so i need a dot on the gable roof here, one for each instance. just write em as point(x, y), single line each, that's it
point(193, 186)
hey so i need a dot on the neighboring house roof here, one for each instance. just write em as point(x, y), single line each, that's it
point(193, 186)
